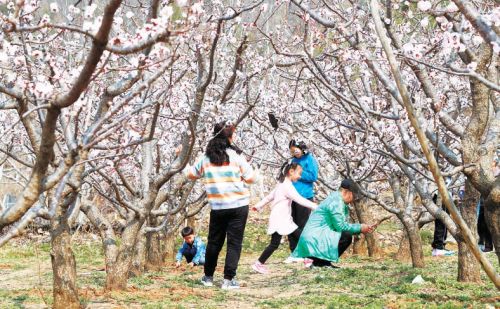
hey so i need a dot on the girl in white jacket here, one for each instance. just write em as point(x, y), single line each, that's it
point(280, 220)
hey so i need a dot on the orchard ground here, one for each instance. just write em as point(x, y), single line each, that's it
point(26, 280)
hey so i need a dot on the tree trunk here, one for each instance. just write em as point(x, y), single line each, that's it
point(468, 267)
point(139, 260)
point(359, 245)
point(404, 253)
point(414, 241)
point(364, 216)
point(153, 252)
point(117, 274)
point(169, 248)
point(63, 263)
point(191, 221)
point(492, 216)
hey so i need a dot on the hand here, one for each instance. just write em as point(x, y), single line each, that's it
point(191, 264)
point(177, 264)
point(366, 228)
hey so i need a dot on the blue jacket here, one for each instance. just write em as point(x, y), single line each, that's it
point(309, 175)
point(200, 251)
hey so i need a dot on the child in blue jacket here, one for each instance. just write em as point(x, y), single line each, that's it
point(192, 248)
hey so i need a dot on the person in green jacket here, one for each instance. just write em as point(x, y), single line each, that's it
point(328, 233)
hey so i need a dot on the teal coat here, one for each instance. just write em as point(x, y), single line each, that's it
point(321, 235)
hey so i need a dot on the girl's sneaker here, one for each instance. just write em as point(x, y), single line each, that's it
point(260, 268)
point(308, 263)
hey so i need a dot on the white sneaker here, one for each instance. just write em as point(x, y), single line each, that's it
point(442, 252)
point(207, 281)
point(292, 259)
point(230, 284)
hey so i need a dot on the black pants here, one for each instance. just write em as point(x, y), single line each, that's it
point(189, 254)
point(300, 215)
point(274, 244)
point(440, 234)
point(224, 223)
point(344, 243)
point(482, 229)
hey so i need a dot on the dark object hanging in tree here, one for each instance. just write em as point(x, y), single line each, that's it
point(273, 120)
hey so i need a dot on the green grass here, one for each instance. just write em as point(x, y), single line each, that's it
point(362, 282)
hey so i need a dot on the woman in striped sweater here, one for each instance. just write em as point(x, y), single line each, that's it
point(225, 174)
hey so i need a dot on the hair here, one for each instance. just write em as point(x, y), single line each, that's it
point(299, 144)
point(187, 231)
point(285, 169)
point(216, 148)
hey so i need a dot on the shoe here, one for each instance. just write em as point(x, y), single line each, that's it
point(260, 268)
point(292, 259)
point(308, 263)
point(230, 284)
point(207, 280)
point(442, 252)
point(486, 249)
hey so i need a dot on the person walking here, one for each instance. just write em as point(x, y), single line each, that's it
point(280, 219)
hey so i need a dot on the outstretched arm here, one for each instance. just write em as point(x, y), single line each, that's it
point(340, 224)
point(264, 201)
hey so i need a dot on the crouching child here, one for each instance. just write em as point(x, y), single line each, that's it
point(193, 249)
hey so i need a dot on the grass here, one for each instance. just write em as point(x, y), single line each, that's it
point(362, 282)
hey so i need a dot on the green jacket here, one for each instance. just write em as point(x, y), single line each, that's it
point(321, 235)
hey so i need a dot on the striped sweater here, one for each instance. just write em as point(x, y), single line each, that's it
point(225, 185)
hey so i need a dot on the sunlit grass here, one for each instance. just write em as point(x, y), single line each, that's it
point(361, 282)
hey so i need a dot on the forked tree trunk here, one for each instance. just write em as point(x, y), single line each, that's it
point(468, 267)
point(65, 292)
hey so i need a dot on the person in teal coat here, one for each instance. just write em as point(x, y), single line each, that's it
point(328, 233)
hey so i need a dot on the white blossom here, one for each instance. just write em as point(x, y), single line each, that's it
point(424, 5)
point(54, 8)
point(472, 66)
point(129, 14)
point(424, 22)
